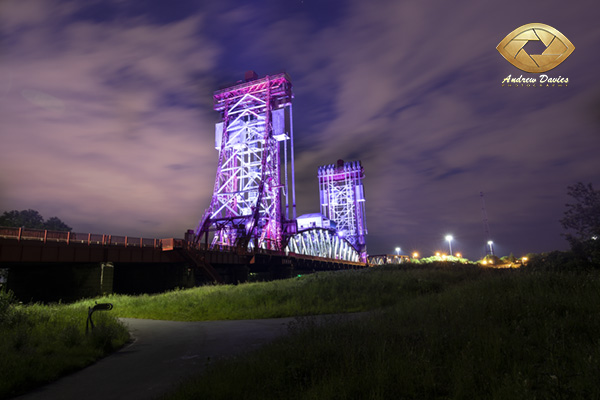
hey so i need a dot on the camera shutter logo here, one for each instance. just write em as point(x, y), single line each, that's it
point(557, 48)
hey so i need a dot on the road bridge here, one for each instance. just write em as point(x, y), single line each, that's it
point(250, 227)
point(48, 265)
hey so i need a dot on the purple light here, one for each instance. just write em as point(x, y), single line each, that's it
point(257, 126)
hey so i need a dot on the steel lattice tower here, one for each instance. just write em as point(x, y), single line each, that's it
point(253, 191)
point(343, 201)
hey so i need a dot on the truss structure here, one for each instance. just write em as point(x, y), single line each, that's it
point(343, 201)
point(320, 242)
point(251, 200)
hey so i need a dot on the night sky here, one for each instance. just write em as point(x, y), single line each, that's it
point(106, 114)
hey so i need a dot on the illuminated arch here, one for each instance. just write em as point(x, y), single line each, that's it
point(321, 242)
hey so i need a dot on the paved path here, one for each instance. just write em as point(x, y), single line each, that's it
point(162, 354)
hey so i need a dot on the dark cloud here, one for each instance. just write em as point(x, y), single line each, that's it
point(178, 167)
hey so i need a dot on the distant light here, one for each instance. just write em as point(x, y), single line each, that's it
point(437, 254)
point(458, 255)
point(449, 239)
point(490, 242)
point(415, 255)
point(398, 250)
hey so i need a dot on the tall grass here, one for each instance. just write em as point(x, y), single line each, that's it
point(40, 343)
point(319, 293)
point(454, 332)
point(506, 335)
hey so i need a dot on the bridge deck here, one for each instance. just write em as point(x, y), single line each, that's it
point(53, 266)
point(19, 245)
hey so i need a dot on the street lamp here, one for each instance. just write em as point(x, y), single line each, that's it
point(398, 251)
point(490, 243)
point(449, 239)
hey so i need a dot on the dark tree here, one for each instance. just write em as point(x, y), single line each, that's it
point(33, 220)
point(582, 221)
point(25, 218)
point(583, 217)
point(55, 224)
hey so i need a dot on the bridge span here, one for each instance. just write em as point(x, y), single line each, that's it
point(249, 229)
point(50, 266)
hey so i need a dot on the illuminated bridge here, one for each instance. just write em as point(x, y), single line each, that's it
point(253, 205)
point(250, 228)
point(44, 265)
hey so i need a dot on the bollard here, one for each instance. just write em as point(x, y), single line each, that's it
point(97, 307)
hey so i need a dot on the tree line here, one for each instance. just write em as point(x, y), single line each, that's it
point(32, 219)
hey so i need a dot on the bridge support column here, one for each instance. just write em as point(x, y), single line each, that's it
point(107, 275)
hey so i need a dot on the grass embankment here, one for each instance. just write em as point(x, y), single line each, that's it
point(456, 332)
point(499, 335)
point(320, 293)
point(40, 343)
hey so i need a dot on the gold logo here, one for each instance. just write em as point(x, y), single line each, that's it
point(558, 48)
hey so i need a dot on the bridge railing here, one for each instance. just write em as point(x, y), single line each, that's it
point(172, 243)
point(77, 237)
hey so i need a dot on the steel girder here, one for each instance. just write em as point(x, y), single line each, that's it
point(249, 191)
point(343, 202)
point(321, 242)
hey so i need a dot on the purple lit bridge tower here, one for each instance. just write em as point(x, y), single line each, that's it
point(339, 230)
point(254, 184)
point(253, 204)
point(343, 201)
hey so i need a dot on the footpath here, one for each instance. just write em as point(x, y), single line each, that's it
point(162, 354)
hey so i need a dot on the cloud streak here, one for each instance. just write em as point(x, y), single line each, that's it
point(89, 129)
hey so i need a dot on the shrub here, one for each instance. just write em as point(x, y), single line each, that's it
point(7, 302)
point(41, 343)
point(556, 261)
